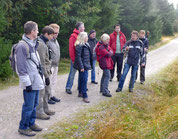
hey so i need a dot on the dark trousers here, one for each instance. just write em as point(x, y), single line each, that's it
point(142, 74)
point(82, 86)
point(117, 58)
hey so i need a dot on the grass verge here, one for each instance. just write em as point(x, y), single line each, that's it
point(150, 112)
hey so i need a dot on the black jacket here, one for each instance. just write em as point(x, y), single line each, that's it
point(145, 42)
point(135, 54)
point(83, 57)
point(92, 43)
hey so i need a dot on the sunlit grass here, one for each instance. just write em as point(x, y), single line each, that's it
point(150, 112)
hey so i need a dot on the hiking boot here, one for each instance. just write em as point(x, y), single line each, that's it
point(55, 99)
point(142, 82)
point(50, 112)
point(118, 90)
point(42, 116)
point(86, 100)
point(36, 128)
point(107, 95)
point(80, 95)
point(130, 90)
point(110, 80)
point(50, 101)
point(27, 132)
point(68, 91)
point(93, 82)
point(100, 91)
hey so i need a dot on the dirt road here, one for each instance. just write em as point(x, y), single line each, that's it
point(11, 99)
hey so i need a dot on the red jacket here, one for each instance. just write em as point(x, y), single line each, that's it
point(72, 39)
point(104, 53)
point(113, 39)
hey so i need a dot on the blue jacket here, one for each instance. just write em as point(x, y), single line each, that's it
point(135, 54)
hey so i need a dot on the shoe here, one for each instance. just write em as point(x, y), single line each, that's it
point(86, 100)
point(94, 82)
point(142, 82)
point(27, 132)
point(100, 91)
point(80, 95)
point(50, 101)
point(36, 128)
point(107, 94)
point(55, 99)
point(130, 90)
point(87, 89)
point(42, 116)
point(50, 112)
point(68, 91)
point(118, 90)
point(110, 80)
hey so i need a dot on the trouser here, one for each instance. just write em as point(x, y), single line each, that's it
point(83, 76)
point(93, 70)
point(53, 80)
point(117, 58)
point(142, 74)
point(43, 100)
point(132, 78)
point(28, 115)
point(105, 81)
point(71, 76)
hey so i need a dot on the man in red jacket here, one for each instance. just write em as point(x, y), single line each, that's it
point(117, 41)
point(73, 37)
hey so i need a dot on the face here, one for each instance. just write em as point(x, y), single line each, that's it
point(134, 37)
point(106, 42)
point(93, 35)
point(50, 37)
point(141, 35)
point(82, 28)
point(117, 29)
point(86, 39)
point(35, 33)
point(56, 32)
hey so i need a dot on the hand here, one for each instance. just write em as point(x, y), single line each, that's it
point(29, 88)
point(146, 50)
point(143, 65)
point(47, 81)
point(82, 70)
point(127, 48)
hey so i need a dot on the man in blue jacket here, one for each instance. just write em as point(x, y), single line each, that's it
point(134, 55)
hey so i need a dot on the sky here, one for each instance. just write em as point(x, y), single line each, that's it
point(175, 2)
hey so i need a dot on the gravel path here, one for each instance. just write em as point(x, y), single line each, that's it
point(11, 99)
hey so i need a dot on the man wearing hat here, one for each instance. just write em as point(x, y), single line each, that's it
point(93, 41)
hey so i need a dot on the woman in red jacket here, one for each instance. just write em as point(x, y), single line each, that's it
point(104, 53)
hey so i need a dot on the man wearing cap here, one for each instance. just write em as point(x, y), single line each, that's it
point(92, 42)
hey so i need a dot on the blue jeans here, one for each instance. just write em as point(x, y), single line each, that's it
point(125, 72)
point(93, 71)
point(28, 116)
point(71, 76)
point(83, 76)
point(105, 81)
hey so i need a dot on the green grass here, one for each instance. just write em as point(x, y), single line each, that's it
point(150, 112)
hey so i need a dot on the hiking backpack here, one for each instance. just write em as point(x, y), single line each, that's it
point(12, 55)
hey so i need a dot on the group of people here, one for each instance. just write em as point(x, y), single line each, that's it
point(37, 59)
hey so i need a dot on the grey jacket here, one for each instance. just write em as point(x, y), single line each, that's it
point(44, 57)
point(55, 52)
point(26, 69)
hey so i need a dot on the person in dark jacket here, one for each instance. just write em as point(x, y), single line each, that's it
point(104, 53)
point(73, 37)
point(135, 53)
point(142, 68)
point(92, 42)
point(116, 42)
point(82, 63)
